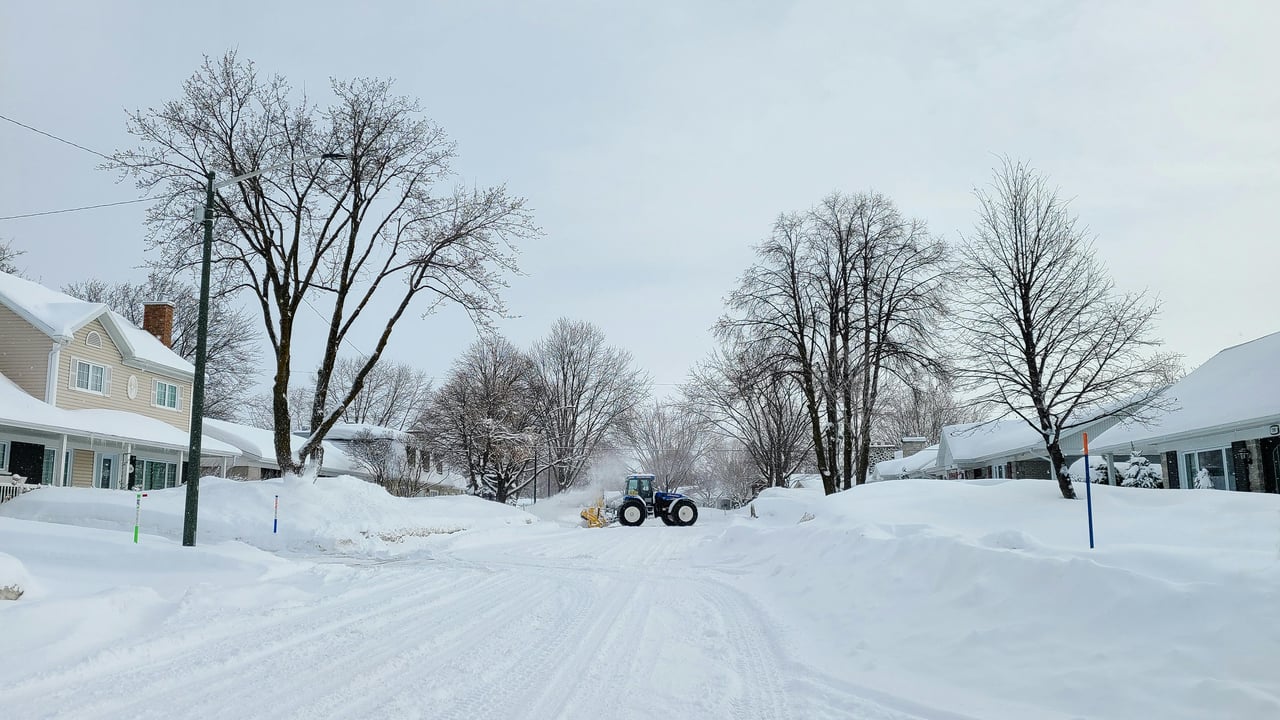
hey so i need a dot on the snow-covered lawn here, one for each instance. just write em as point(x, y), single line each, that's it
point(905, 599)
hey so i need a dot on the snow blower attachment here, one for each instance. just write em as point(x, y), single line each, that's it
point(595, 515)
point(639, 502)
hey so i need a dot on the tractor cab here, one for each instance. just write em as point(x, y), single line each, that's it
point(641, 486)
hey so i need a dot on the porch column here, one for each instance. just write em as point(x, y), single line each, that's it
point(124, 466)
point(1111, 469)
point(60, 465)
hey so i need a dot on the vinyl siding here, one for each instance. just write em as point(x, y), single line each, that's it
point(24, 353)
point(117, 397)
point(81, 467)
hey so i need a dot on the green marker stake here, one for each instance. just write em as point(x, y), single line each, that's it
point(137, 517)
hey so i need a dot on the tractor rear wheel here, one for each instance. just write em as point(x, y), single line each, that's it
point(684, 512)
point(632, 513)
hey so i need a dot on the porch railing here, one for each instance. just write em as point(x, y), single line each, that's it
point(9, 492)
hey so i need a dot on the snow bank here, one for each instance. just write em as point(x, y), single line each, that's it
point(14, 580)
point(341, 514)
point(985, 599)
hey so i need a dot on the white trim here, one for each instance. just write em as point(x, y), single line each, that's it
point(52, 371)
point(4, 456)
point(93, 339)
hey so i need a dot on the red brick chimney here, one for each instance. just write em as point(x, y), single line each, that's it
point(157, 319)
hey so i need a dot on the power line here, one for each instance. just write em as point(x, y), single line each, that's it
point(77, 209)
point(55, 137)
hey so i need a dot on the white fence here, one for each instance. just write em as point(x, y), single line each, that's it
point(9, 492)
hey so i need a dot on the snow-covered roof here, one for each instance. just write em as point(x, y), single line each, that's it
point(53, 313)
point(1237, 388)
point(976, 444)
point(59, 316)
point(916, 464)
point(140, 345)
point(350, 431)
point(18, 409)
point(258, 446)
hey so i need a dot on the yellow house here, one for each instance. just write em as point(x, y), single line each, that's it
point(87, 398)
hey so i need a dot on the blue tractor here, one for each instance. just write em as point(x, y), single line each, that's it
point(641, 501)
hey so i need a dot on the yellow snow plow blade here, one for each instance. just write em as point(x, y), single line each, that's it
point(595, 515)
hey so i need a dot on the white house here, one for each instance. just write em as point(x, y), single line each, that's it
point(1225, 421)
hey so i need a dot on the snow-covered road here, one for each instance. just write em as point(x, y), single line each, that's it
point(542, 623)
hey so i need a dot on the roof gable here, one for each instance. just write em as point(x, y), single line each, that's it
point(56, 314)
point(60, 316)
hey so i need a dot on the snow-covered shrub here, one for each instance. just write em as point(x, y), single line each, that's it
point(1203, 481)
point(1141, 473)
point(1099, 472)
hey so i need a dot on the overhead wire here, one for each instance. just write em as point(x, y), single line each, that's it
point(76, 145)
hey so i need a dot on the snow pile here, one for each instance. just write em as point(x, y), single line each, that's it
point(340, 514)
point(986, 600)
point(14, 580)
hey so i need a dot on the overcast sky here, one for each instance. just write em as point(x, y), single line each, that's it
point(656, 142)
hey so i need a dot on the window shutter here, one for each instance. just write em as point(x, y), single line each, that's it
point(106, 381)
point(155, 392)
point(71, 376)
point(177, 397)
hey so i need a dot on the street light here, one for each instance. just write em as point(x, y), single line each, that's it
point(192, 476)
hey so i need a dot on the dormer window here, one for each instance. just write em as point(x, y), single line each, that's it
point(93, 339)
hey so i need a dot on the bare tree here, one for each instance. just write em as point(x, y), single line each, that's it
point(584, 390)
point(482, 420)
point(774, 309)
point(670, 443)
point(1050, 339)
point(366, 239)
point(233, 355)
point(760, 409)
point(895, 292)
point(727, 473)
point(394, 395)
point(259, 411)
point(843, 296)
point(8, 257)
point(395, 465)
point(921, 407)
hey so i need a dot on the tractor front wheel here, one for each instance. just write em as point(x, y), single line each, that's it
point(632, 513)
point(684, 512)
point(668, 515)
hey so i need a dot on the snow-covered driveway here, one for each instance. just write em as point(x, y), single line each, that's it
point(542, 623)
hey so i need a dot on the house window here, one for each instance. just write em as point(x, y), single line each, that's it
point(165, 395)
point(90, 377)
point(93, 339)
point(4, 456)
point(157, 475)
point(46, 474)
point(1217, 465)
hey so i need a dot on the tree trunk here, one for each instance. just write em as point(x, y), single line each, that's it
point(1060, 470)
point(282, 422)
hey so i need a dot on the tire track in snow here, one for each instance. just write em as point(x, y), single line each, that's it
point(237, 661)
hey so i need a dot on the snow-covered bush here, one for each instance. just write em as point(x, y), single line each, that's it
point(1141, 473)
point(1203, 481)
point(1099, 472)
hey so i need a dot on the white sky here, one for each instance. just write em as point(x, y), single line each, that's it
point(657, 141)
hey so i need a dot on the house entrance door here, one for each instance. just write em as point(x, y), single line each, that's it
point(105, 472)
point(27, 460)
point(1270, 448)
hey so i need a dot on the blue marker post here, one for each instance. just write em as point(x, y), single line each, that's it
point(275, 520)
point(1088, 488)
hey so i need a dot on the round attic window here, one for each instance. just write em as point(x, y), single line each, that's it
point(93, 339)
